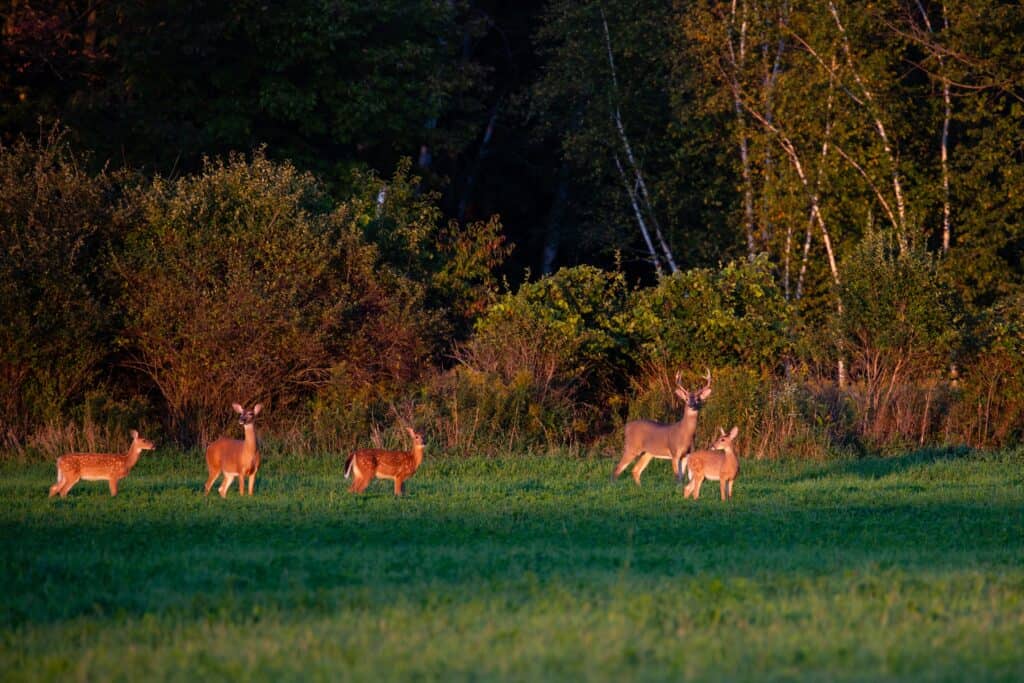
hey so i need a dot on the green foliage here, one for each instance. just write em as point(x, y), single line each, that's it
point(228, 291)
point(456, 263)
point(904, 568)
point(735, 315)
point(544, 363)
point(580, 313)
point(897, 324)
point(56, 318)
point(989, 387)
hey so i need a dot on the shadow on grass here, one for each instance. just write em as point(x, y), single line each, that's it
point(877, 467)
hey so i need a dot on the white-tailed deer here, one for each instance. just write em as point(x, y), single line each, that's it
point(235, 458)
point(719, 463)
point(113, 467)
point(647, 440)
point(368, 463)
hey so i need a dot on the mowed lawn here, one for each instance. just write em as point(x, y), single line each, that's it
point(531, 568)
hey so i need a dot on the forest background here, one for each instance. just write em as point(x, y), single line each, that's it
point(511, 224)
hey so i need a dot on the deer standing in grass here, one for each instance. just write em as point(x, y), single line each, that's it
point(113, 467)
point(646, 439)
point(719, 463)
point(398, 466)
point(235, 458)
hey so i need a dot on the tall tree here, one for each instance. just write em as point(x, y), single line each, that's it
point(853, 117)
point(604, 96)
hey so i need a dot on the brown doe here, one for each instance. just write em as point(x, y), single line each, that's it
point(646, 439)
point(113, 467)
point(719, 463)
point(398, 466)
point(235, 458)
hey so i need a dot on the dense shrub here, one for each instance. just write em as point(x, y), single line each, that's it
point(987, 406)
point(246, 282)
point(227, 289)
point(455, 262)
point(423, 286)
point(899, 332)
point(735, 315)
point(123, 300)
point(544, 365)
point(56, 318)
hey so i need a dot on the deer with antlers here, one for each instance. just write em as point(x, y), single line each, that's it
point(646, 439)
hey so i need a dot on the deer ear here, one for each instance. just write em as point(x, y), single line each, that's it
point(135, 434)
point(257, 408)
point(683, 394)
point(238, 408)
point(704, 393)
point(721, 431)
point(734, 432)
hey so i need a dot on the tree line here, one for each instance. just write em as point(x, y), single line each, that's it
point(299, 203)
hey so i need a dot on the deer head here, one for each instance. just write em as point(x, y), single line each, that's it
point(247, 416)
point(694, 401)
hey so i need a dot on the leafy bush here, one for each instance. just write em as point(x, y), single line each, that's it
point(544, 364)
point(56, 318)
point(736, 315)
point(246, 283)
point(987, 407)
point(228, 288)
point(456, 263)
point(898, 330)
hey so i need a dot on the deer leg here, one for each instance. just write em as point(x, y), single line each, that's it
point(360, 480)
point(640, 466)
point(241, 484)
point(398, 486)
point(209, 481)
point(69, 482)
point(728, 490)
point(229, 477)
point(628, 456)
point(698, 479)
point(252, 482)
point(113, 486)
point(680, 466)
point(723, 486)
point(60, 482)
point(684, 472)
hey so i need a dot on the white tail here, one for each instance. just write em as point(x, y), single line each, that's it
point(717, 464)
point(376, 462)
point(112, 467)
point(646, 439)
point(235, 458)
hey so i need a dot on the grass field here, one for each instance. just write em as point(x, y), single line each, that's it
point(908, 568)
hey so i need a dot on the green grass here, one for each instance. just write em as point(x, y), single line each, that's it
point(908, 568)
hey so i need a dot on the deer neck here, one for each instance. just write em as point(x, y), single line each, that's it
point(249, 442)
point(417, 453)
point(133, 456)
point(688, 425)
